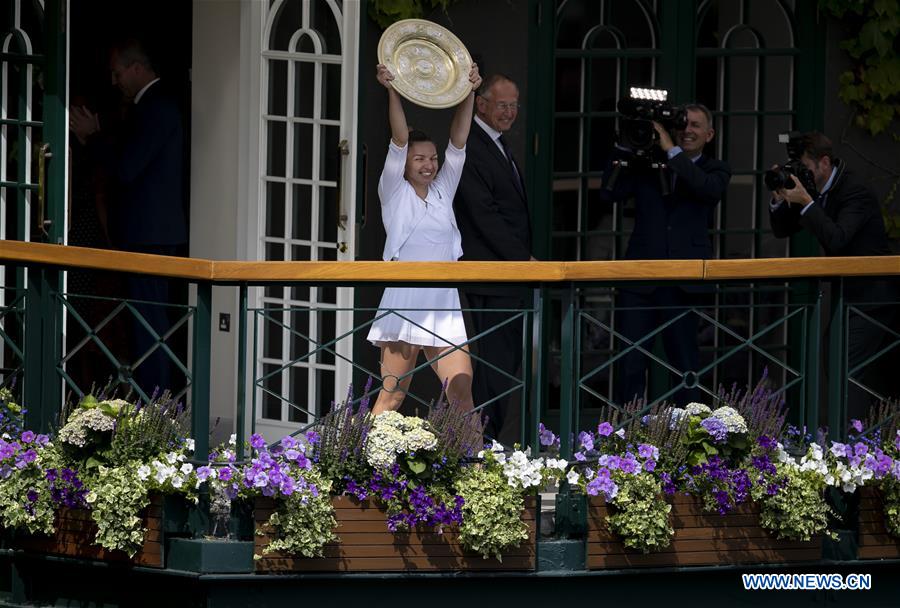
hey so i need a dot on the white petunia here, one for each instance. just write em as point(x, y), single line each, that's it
point(573, 477)
point(143, 472)
point(187, 468)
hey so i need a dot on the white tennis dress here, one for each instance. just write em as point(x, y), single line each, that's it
point(423, 231)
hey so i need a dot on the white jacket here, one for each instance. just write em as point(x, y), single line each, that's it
point(402, 209)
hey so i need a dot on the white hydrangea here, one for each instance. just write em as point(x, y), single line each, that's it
point(695, 409)
point(74, 432)
point(733, 421)
point(418, 439)
point(393, 433)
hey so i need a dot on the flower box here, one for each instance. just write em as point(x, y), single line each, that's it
point(874, 540)
point(366, 545)
point(75, 532)
point(700, 539)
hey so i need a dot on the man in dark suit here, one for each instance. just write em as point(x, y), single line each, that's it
point(146, 162)
point(492, 215)
point(669, 224)
point(846, 219)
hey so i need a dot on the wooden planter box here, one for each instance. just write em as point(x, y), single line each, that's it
point(700, 539)
point(75, 532)
point(366, 545)
point(874, 540)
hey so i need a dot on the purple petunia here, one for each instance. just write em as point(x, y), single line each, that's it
point(257, 442)
point(27, 436)
point(767, 443)
point(604, 429)
point(586, 440)
point(857, 425)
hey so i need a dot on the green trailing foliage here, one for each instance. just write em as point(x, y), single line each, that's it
point(641, 514)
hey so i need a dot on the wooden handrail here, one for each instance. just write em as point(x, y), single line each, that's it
point(106, 259)
point(196, 269)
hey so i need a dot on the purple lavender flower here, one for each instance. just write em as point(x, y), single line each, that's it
point(604, 429)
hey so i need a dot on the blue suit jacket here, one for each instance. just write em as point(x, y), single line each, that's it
point(147, 164)
point(674, 226)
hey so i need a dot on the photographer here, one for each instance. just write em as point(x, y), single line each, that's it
point(846, 219)
point(672, 218)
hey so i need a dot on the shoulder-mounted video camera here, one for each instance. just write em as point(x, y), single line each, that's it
point(637, 136)
point(638, 111)
point(780, 176)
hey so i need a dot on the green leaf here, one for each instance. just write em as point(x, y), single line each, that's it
point(416, 465)
point(93, 462)
point(710, 449)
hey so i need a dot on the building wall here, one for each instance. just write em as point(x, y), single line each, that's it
point(872, 158)
point(214, 180)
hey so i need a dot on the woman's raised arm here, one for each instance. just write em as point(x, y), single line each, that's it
point(462, 119)
point(396, 116)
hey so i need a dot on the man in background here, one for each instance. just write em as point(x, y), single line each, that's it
point(492, 215)
point(670, 223)
point(846, 220)
point(147, 214)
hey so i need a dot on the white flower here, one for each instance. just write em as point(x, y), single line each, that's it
point(560, 464)
point(189, 444)
point(177, 481)
point(171, 457)
point(695, 409)
point(573, 477)
point(187, 468)
point(143, 472)
point(161, 475)
point(232, 440)
point(733, 421)
point(621, 433)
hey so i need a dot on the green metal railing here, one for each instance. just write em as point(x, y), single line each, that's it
point(794, 367)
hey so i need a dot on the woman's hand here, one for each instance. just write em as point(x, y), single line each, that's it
point(474, 77)
point(384, 76)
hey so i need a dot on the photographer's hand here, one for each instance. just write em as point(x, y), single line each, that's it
point(796, 195)
point(665, 140)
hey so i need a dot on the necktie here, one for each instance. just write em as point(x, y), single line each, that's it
point(512, 164)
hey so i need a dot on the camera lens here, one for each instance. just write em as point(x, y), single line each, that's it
point(778, 178)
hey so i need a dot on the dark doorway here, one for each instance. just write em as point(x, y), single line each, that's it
point(164, 29)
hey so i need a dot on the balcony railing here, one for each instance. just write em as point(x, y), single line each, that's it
point(565, 376)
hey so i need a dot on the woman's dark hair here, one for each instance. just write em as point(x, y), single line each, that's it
point(416, 136)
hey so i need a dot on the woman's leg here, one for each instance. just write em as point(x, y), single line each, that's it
point(397, 360)
point(456, 370)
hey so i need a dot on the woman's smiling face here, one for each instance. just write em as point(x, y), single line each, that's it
point(421, 163)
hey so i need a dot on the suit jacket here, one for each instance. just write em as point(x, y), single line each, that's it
point(674, 226)
point(491, 209)
point(147, 164)
point(849, 223)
